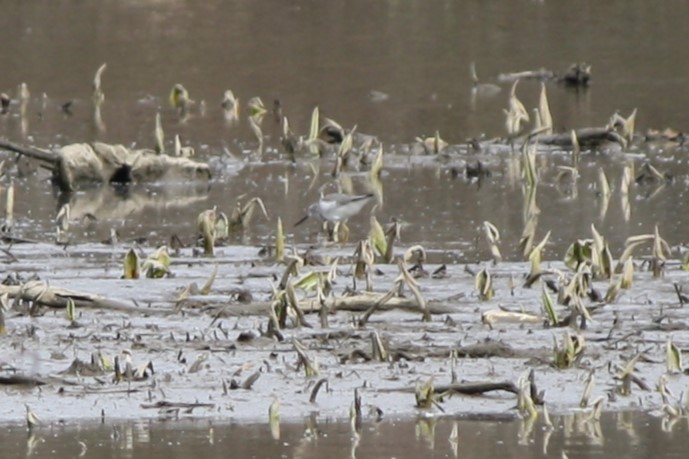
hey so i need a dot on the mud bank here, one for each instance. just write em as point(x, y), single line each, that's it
point(212, 350)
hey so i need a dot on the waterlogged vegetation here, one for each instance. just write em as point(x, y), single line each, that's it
point(364, 322)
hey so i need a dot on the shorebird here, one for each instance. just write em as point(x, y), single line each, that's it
point(336, 207)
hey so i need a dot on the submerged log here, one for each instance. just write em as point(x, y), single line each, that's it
point(80, 164)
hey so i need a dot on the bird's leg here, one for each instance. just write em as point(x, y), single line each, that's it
point(328, 231)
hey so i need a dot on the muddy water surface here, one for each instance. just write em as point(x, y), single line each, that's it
point(617, 435)
point(333, 56)
point(396, 70)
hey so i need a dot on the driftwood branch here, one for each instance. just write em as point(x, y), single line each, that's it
point(473, 388)
point(183, 405)
point(47, 156)
point(477, 388)
point(55, 297)
point(21, 380)
point(357, 303)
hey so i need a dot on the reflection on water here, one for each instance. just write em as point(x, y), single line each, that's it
point(120, 203)
point(305, 54)
point(616, 435)
point(343, 57)
point(441, 212)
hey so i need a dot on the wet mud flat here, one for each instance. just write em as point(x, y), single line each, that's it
point(471, 341)
point(371, 329)
point(212, 356)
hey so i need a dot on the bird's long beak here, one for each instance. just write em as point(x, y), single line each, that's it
point(303, 219)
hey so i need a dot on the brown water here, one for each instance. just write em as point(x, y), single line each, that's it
point(333, 54)
point(633, 435)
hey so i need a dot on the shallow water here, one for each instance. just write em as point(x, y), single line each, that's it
point(215, 341)
point(309, 53)
point(633, 435)
point(334, 54)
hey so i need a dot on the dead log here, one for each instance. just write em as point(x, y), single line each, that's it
point(55, 297)
point(168, 404)
point(79, 164)
point(588, 138)
point(357, 303)
point(488, 349)
point(472, 388)
point(361, 303)
point(477, 388)
point(40, 154)
point(21, 380)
